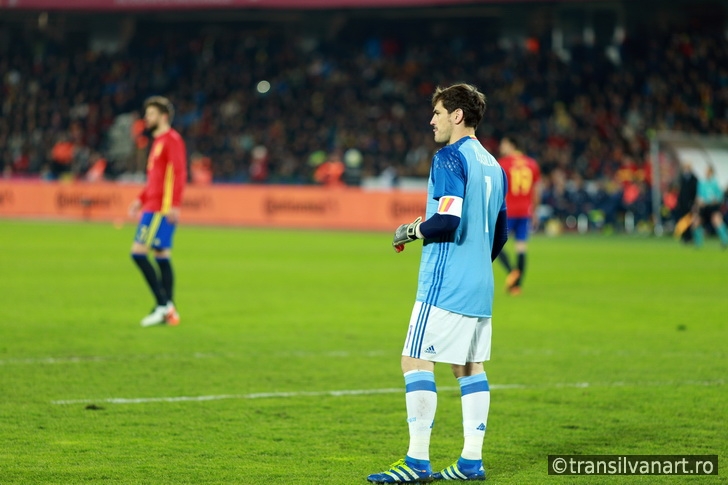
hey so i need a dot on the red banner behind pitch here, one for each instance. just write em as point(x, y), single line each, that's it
point(240, 205)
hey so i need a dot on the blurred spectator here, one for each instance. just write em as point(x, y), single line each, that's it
point(62, 157)
point(330, 172)
point(97, 167)
point(259, 164)
point(352, 170)
point(709, 202)
point(687, 192)
point(200, 169)
point(138, 162)
point(579, 201)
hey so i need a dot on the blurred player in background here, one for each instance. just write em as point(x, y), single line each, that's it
point(522, 199)
point(688, 191)
point(465, 229)
point(159, 204)
point(710, 197)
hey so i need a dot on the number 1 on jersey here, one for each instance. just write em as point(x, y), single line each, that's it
point(488, 190)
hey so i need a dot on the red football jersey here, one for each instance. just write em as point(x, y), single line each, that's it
point(166, 173)
point(523, 174)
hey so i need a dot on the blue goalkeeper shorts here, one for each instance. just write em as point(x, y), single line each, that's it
point(155, 231)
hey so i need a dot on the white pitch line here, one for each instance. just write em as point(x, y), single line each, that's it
point(219, 397)
point(335, 354)
point(93, 358)
point(259, 395)
point(361, 392)
point(196, 355)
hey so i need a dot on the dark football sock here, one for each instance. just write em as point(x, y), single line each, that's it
point(150, 276)
point(521, 266)
point(503, 258)
point(165, 271)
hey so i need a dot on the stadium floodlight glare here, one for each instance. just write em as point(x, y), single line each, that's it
point(263, 87)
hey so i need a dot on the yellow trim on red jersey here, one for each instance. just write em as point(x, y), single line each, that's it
point(168, 189)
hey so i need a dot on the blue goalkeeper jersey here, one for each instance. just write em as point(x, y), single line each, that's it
point(456, 273)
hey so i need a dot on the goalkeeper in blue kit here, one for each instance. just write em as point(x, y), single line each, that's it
point(464, 230)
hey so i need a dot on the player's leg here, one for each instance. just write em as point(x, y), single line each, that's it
point(475, 402)
point(698, 231)
point(505, 260)
point(145, 235)
point(163, 256)
point(503, 255)
point(475, 398)
point(522, 227)
point(164, 262)
point(418, 368)
point(421, 405)
point(511, 274)
point(717, 220)
point(521, 250)
point(166, 273)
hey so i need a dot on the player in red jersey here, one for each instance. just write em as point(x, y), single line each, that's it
point(159, 204)
point(522, 199)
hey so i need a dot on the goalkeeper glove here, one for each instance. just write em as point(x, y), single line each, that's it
point(405, 233)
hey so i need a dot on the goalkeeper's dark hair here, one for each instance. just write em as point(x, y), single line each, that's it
point(163, 104)
point(463, 96)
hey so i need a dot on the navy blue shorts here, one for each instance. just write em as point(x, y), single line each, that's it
point(521, 226)
point(155, 231)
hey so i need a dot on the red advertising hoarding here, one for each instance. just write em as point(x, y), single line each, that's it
point(229, 205)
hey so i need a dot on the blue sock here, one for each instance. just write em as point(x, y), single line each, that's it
point(469, 465)
point(421, 401)
point(417, 464)
point(475, 398)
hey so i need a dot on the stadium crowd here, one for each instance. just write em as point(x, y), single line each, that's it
point(264, 104)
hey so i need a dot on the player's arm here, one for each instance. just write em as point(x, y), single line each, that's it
point(439, 224)
point(137, 203)
point(406, 233)
point(537, 192)
point(536, 202)
point(448, 179)
point(178, 159)
point(445, 220)
point(135, 207)
point(501, 234)
point(699, 197)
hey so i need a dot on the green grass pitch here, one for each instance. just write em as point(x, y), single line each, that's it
point(616, 346)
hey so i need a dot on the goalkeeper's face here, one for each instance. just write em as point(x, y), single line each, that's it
point(442, 123)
